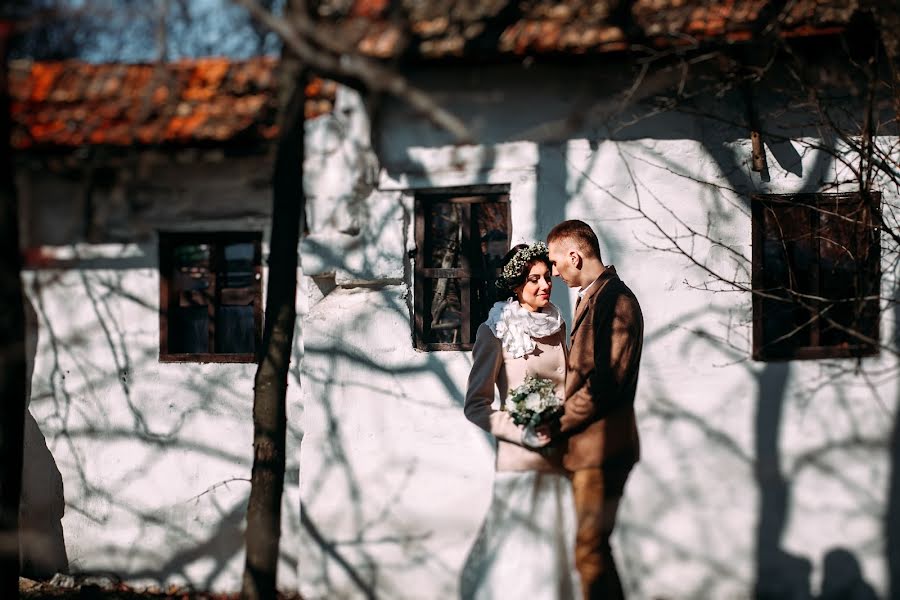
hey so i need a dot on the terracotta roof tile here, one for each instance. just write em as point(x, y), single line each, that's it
point(43, 77)
point(71, 103)
point(562, 26)
point(66, 104)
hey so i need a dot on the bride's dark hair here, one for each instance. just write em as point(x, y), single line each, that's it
point(506, 286)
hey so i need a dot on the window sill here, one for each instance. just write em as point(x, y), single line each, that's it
point(444, 347)
point(816, 353)
point(207, 358)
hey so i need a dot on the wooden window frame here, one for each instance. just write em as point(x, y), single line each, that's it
point(465, 197)
point(168, 240)
point(759, 203)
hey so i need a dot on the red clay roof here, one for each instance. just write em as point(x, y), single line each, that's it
point(446, 28)
point(214, 100)
point(211, 100)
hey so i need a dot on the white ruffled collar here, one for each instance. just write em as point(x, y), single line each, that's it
point(517, 327)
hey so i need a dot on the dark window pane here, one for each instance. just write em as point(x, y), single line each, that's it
point(818, 276)
point(235, 330)
point(237, 296)
point(789, 265)
point(189, 330)
point(191, 267)
point(443, 235)
point(443, 312)
point(491, 222)
point(846, 272)
point(466, 234)
point(492, 234)
point(191, 255)
point(239, 267)
point(212, 294)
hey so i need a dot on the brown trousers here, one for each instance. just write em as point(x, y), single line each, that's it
point(597, 494)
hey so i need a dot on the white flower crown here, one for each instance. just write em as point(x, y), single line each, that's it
point(518, 262)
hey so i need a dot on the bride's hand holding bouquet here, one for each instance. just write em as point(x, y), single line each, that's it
point(534, 406)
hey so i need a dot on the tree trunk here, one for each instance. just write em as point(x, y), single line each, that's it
point(270, 385)
point(12, 347)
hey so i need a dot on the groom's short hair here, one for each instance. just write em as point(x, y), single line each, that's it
point(578, 232)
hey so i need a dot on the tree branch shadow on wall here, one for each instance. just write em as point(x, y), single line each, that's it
point(779, 574)
point(327, 546)
point(114, 365)
point(776, 573)
point(226, 542)
point(73, 377)
point(354, 552)
point(331, 549)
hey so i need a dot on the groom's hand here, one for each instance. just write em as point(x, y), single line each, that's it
point(535, 438)
point(553, 431)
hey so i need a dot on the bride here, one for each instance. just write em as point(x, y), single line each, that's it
point(525, 546)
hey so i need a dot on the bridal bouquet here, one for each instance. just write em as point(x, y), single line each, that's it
point(534, 402)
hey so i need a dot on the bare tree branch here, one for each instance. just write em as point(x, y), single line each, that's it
point(337, 61)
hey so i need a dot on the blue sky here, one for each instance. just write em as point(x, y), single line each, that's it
point(126, 30)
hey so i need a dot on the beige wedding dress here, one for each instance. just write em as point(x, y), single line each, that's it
point(525, 548)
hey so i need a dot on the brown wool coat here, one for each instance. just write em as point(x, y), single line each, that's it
point(599, 425)
point(496, 371)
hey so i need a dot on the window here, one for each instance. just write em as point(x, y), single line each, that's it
point(461, 238)
point(210, 301)
point(816, 276)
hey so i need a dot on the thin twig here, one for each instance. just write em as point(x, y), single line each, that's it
point(336, 60)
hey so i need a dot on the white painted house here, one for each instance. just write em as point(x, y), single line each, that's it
point(770, 453)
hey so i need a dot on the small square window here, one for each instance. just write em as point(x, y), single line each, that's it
point(210, 297)
point(462, 235)
point(816, 276)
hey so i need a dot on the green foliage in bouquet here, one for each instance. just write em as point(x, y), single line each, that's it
point(534, 402)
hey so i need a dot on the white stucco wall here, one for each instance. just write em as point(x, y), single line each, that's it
point(154, 457)
point(786, 461)
point(752, 473)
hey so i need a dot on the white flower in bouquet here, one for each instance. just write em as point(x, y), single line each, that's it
point(534, 402)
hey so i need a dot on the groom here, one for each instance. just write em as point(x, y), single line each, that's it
point(598, 426)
